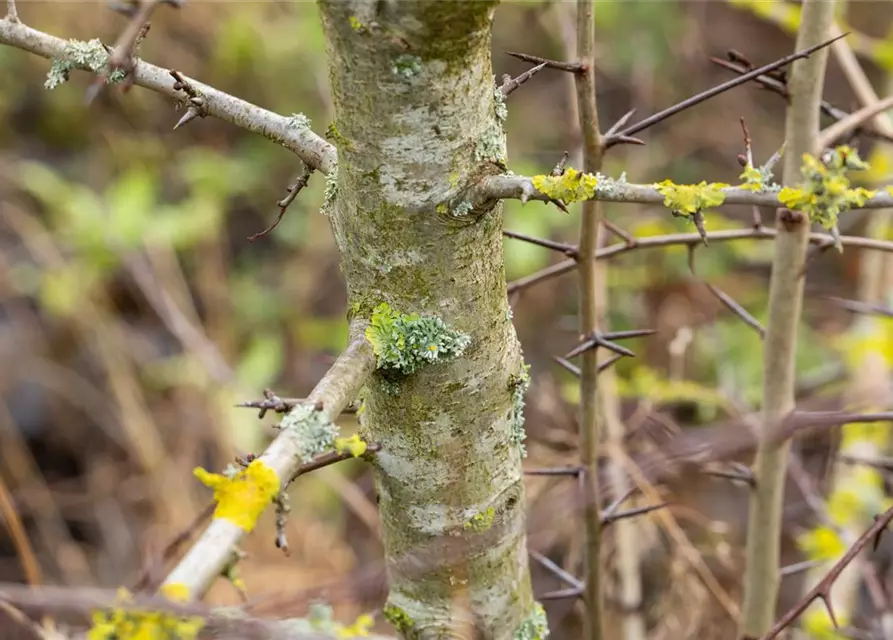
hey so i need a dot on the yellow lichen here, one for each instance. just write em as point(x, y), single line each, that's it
point(242, 498)
point(689, 199)
point(825, 192)
point(571, 186)
point(123, 624)
point(354, 444)
point(360, 627)
point(821, 543)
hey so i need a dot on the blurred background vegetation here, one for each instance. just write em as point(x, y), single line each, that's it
point(134, 312)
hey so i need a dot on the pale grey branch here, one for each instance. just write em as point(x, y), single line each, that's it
point(290, 133)
point(511, 187)
point(202, 564)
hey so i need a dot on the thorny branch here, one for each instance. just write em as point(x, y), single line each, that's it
point(309, 147)
point(822, 591)
point(678, 239)
point(212, 551)
point(293, 190)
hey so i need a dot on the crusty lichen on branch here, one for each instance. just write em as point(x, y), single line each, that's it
point(242, 496)
point(404, 342)
point(825, 192)
point(121, 623)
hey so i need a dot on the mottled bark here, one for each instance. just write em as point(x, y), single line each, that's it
point(416, 121)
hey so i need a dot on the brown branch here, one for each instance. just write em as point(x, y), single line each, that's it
point(822, 591)
point(572, 67)
point(509, 84)
point(293, 190)
point(725, 86)
point(856, 306)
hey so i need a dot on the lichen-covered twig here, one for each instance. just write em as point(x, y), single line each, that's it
point(232, 624)
point(513, 187)
point(278, 464)
point(291, 133)
point(761, 580)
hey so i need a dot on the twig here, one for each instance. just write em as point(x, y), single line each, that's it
point(605, 340)
point(328, 459)
point(617, 231)
point(11, 14)
point(20, 541)
point(293, 190)
point(779, 87)
point(566, 249)
point(852, 122)
point(725, 86)
point(822, 591)
point(632, 513)
point(272, 402)
point(572, 67)
point(510, 84)
point(555, 569)
point(737, 309)
point(884, 464)
point(556, 471)
point(312, 149)
point(688, 239)
point(861, 307)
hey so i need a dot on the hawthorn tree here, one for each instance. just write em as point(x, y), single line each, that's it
point(415, 176)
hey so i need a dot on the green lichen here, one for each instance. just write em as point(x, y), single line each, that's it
point(535, 626)
point(571, 186)
point(691, 199)
point(825, 192)
point(333, 134)
point(481, 521)
point(757, 179)
point(490, 147)
point(298, 121)
point(407, 65)
point(331, 192)
point(316, 431)
point(502, 112)
point(405, 342)
point(86, 55)
point(399, 618)
point(356, 24)
point(462, 209)
point(518, 385)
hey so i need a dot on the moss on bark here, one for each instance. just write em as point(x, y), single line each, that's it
point(413, 91)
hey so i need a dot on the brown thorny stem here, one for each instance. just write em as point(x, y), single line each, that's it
point(761, 580)
point(589, 228)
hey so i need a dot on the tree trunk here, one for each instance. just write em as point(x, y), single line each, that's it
point(417, 120)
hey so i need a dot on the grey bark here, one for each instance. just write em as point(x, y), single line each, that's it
point(417, 121)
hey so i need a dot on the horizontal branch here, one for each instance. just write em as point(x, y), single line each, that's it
point(511, 187)
point(212, 552)
point(690, 239)
point(80, 602)
point(312, 149)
